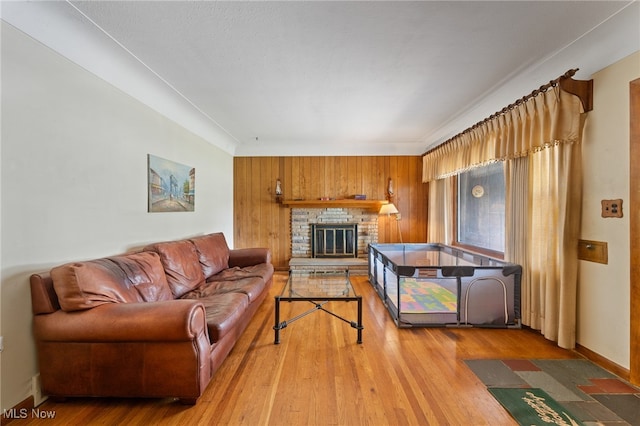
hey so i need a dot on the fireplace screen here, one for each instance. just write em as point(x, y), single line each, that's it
point(334, 240)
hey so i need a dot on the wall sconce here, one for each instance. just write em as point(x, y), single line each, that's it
point(278, 191)
point(390, 209)
point(390, 191)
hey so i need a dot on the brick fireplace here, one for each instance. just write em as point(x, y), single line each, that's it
point(302, 218)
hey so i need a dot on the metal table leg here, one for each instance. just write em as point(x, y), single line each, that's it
point(276, 327)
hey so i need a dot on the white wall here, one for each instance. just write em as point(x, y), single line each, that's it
point(74, 183)
point(603, 292)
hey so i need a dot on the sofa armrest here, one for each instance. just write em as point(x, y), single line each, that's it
point(174, 320)
point(249, 256)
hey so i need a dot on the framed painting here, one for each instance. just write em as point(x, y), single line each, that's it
point(171, 186)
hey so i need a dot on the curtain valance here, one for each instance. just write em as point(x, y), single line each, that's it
point(549, 118)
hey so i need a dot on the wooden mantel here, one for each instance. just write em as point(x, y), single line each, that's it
point(343, 203)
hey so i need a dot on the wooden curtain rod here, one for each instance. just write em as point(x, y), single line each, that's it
point(581, 88)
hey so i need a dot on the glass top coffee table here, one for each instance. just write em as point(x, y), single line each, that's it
point(317, 288)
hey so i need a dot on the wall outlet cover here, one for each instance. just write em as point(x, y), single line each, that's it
point(612, 208)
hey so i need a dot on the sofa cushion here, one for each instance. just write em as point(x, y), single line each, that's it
point(213, 253)
point(223, 311)
point(252, 287)
point(137, 277)
point(261, 270)
point(181, 264)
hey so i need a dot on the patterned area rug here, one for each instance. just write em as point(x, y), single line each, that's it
point(426, 297)
point(591, 394)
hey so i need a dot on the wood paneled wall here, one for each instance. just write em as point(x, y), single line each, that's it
point(259, 221)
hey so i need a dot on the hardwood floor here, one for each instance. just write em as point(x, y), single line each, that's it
point(319, 375)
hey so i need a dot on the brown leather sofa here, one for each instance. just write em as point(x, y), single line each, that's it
point(155, 323)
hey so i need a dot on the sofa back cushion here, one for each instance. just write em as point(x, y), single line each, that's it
point(131, 278)
point(213, 253)
point(181, 264)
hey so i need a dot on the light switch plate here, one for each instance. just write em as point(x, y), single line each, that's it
point(612, 208)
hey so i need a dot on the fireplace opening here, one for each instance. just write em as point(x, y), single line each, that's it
point(334, 240)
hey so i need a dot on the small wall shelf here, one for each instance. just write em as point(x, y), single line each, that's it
point(344, 203)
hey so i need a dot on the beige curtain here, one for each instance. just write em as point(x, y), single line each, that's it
point(440, 213)
point(540, 142)
point(517, 233)
point(555, 199)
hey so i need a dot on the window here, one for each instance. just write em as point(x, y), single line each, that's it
point(481, 195)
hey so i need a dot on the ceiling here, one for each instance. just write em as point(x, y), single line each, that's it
point(332, 77)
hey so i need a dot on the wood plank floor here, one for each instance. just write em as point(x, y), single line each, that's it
point(319, 375)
